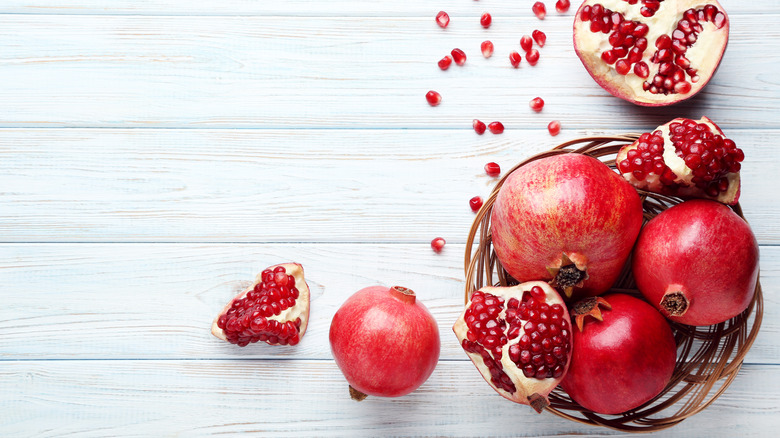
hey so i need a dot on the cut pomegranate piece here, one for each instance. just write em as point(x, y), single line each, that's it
point(684, 158)
point(479, 126)
point(554, 127)
point(459, 56)
point(540, 37)
point(274, 310)
point(487, 49)
point(492, 169)
point(442, 19)
point(539, 10)
point(562, 6)
point(496, 127)
point(648, 54)
point(433, 98)
point(536, 104)
point(526, 43)
point(514, 59)
point(475, 203)
point(519, 338)
point(445, 62)
point(485, 20)
point(438, 244)
point(532, 56)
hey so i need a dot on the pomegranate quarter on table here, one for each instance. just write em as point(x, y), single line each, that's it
point(275, 309)
point(651, 52)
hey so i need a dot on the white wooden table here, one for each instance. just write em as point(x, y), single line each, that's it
point(156, 154)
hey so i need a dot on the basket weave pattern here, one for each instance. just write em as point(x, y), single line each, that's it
point(708, 358)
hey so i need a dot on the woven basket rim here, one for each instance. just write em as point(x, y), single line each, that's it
point(709, 357)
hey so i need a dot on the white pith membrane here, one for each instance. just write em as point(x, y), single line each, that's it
point(684, 175)
point(528, 390)
point(299, 310)
point(704, 55)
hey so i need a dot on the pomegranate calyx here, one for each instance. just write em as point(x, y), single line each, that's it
point(588, 307)
point(404, 294)
point(674, 301)
point(568, 272)
point(538, 402)
point(356, 395)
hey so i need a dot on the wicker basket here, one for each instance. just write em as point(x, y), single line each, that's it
point(708, 358)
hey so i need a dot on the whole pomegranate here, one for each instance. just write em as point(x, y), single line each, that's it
point(385, 342)
point(519, 338)
point(567, 218)
point(651, 52)
point(684, 158)
point(275, 309)
point(697, 262)
point(624, 354)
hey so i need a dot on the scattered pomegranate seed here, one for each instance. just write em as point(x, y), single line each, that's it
point(492, 169)
point(475, 203)
point(479, 126)
point(526, 42)
point(438, 243)
point(562, 6)
point(442, 19)
point(487, 49)
point(514, 59)
point(554, 127)
point(532, 56)
point(433, 98)
point(459, 56)
point(496, 127)
point(536, 104)
point(445, 62)
point(540, 37)
point(539, 10)
point(485, 20)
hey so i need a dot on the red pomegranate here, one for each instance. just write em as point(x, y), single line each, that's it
point(623, 356)
point(274, 310)
point(651, 52)
point(385, 342)
point(684, 158)
point(567, 218)
point(519, 338)
point(697, 262)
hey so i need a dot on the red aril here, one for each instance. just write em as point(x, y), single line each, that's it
point(487, 49)
point(567, 218)
point(539, 10)
point(496, 127)
point(479, 126)
point(274, 309)
point(514, 59)
point(519, 338)
point(485, 20)
point(562, 6)
point(475, 203)
point(554, 128)
point(492, 169)
point(536, 104)
point(685, 158)
point(459, 56)
point(697, 262)
point(624, 354)
point(437, 244)
point(526, 43)
point(651, 53)
point(445, 62)
point(442, 19)
point(384, 341)
point(433, 98)
point(540, 37)
point(532, 56)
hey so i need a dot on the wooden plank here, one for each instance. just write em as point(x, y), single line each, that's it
point(309, 398)
point(283, 72)
point(282, 186)
point(157, 301)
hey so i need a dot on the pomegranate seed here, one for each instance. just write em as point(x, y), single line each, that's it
point(562, 6)
point(526, 42)
point(622, 66)
point(459, 56)
point(554, 127)
point(475, 203)
point(442, 19)
point(536, 104)
point(492, 169)
point(437, 244)
point(445, 62)
point(479, 126)
point(532, 56)
point(487, 49)
point(433, 98)
point(496, 127)
point(539, 10)
point(539, 37)
point(485, 20)
point(514, 59)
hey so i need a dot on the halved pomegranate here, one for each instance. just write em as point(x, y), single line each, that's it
point(274, 309)
point(684, 158)
point(519, 338)
point(651, 52)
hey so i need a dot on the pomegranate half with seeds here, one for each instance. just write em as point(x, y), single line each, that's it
point(684, 158)
point(274, 310)
point(651, 52)
point(519, 338)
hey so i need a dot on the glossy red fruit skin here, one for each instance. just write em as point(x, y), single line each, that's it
point(384, 342)
point(567, 204)
point(623, 361)
point(705, 251)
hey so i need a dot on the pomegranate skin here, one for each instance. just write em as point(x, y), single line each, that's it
point(384, 341)
point(568, 209)
point(697, 262)
point(623, 361)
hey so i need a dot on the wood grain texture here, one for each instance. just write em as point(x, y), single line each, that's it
point(283, 72)
point(282, 186)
